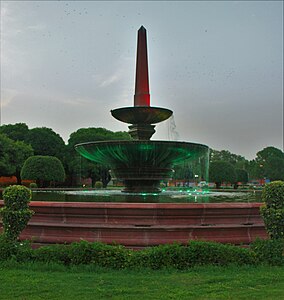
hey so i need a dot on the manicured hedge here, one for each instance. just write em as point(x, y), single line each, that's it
point(177, 256)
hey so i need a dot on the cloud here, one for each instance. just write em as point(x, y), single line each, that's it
point(110, 80)
point(7, 96)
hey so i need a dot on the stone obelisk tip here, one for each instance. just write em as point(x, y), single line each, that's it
point(142, 96)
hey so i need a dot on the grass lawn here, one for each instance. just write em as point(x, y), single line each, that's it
point(40, 281)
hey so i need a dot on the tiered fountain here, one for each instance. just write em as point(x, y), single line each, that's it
point(142, 163)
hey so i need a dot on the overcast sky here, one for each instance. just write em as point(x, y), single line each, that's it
point(217, 65)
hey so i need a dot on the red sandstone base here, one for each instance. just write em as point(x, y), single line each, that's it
point(139, 225)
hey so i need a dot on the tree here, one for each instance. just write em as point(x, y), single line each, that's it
point(269, 163)
point(43, 169)
point(46, 142)
point(12, 156)
point(221, 171)
point(7, 168)
point(241, 176)
point(16, 132)
point(79, 166)
point(237, 161)
point(21, 151)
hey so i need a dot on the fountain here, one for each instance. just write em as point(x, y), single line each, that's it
point(142, 163)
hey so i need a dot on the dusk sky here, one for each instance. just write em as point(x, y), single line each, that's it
point(218, 65)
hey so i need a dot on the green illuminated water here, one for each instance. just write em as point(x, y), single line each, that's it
point(182, 196)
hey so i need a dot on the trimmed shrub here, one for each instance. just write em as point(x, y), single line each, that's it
point(17, 197)
point(269, 251)
point(20, 251)
point(33, 185)
point(15, 214)
point(272, 211)
point(43, 169)
point(273, 194)
point(98, 185)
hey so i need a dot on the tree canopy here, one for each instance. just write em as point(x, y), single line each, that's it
point(7, 167)
point(46, 142)
point(16, 132)
point(79, 166)
point(269, 163)
point(221, 171)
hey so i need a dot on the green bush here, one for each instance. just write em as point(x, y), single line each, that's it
point(20, 251)
point(273, 194)
point(33, 185)
point(43, 169)
point(269, 251)
point(163, 256)
point(17, 197)
point(15, 213)
point(272, 211)
point(98, 185)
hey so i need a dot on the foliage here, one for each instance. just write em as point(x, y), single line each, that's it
point(241, 175)
point(46, 142)
point(273, 210)
point(98, 185)
point(237, 161)
point(221, 171)
point(33, 185)
point(269, 252)
point(16, 132)
point(196, 253)
point(15, 213)
point(273, 194)
point(269, 163)
point(12, 156)
point(21, 152)
point(16, 250)
point(17, 197)
point(79, 166)
point(6, 154)
point(164, 256)
point(43, 169)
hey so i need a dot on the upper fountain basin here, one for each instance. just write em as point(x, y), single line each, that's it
point(141, 114)
point(162, 154)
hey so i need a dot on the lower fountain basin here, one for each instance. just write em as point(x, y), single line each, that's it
point(142, 164)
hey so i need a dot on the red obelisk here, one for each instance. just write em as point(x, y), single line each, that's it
point(142, 96)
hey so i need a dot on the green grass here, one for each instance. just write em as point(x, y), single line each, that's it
point(40, 281)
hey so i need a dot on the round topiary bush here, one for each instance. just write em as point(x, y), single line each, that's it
point(17, 197)
point(98, 185)
point(43, 169)
point(33, 185)
point(15, 213)
point(272, 211)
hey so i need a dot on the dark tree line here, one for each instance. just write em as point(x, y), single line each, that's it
point(18, 142)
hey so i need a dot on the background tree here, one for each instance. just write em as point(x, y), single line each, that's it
point(16, 132)
point(46, 142)
point(221, 171)
point(44, 169)
point(269, 163)
point(235, 160)
point(79, 166)
point(21, 151)
point(7, 168)
point(241, 176)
